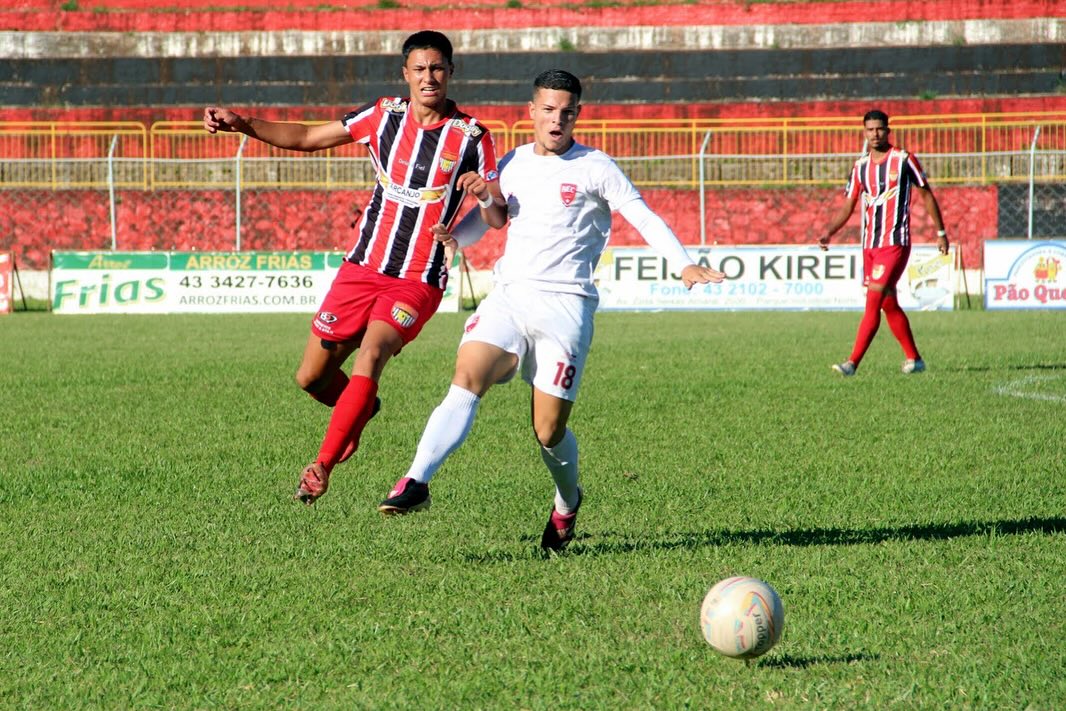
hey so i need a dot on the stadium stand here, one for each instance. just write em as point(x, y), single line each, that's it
point(144, 61)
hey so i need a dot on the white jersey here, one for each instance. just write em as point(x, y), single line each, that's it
point(559, 207)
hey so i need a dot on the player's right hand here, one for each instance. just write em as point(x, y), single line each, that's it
point(473, 183)
point(218, 119)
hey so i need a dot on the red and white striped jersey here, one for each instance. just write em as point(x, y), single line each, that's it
point(416, 167)
point(885, 188)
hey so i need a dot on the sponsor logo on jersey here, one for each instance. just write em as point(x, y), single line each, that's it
point(411, 197)
point(471, 323)
point(327, 317)
point(404, 315)
point(447, 162)
point(396, 106)
point(468, 129)
point(879, 200)
point(567, 191)
point(491, 175)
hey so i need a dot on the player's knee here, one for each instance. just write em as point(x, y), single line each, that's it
point(309, 381)
point(549, 432)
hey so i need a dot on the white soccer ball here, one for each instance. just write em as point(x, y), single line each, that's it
point(742, 617)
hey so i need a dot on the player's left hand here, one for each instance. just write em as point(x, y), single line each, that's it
point(695, 274)
point(441, 233)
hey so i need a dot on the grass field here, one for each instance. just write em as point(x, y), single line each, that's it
point(915, 526)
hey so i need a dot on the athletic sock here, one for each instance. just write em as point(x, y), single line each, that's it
point(901, 326)
point(562, 463)
point(871, 321)
point(447, 427)
point(350, 415)
point(329, 395)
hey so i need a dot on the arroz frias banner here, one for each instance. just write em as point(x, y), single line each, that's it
point(197, 282)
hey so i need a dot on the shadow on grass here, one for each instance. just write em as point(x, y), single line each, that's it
point(614, 543)
point(788, 661)
point(992, 368)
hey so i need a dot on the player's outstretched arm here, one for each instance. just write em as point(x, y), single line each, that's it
point(658, 235)
point(291, 136)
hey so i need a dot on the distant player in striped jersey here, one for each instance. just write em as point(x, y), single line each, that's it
point(427, 154)
point(538, 319)
point(884, 178)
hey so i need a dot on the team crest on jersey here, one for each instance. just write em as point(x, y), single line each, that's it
point(567, 191)
point(878, 272)
point(396, 106)
point(404, 315)
point(447, 162)
point(468, 129)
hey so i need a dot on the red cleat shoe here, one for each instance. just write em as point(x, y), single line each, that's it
point(314, 480)
point(560, 529)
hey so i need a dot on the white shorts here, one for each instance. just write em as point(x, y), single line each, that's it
point(550, 333)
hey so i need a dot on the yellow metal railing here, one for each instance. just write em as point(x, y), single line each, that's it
point(61, 155)
point(965, 148)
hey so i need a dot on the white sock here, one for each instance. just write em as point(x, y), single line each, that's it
point(446, 429)
point(562, 463)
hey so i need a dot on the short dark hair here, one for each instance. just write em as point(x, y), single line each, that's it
point(428, 39)
point(558, 79)
point(875, 115)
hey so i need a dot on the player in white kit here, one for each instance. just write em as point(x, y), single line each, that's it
point(539, 317)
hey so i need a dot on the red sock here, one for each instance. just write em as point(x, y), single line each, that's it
point(901, 326)
point(328, 395)
point(350, 415)
point(871, 321)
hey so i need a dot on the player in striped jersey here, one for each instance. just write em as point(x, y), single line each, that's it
point(427, 155)
point(884, 178)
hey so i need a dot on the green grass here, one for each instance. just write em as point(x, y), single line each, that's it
point(914, 526)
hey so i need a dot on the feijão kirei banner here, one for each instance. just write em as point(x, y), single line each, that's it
point(1025, 274)
point(769, 278)
point(198, 282)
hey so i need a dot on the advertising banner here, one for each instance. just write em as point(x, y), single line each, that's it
point(6, 270)
point(1025, 274)
point(768, 278)
point(196, 282)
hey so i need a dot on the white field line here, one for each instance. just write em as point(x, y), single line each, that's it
point(1019, 388)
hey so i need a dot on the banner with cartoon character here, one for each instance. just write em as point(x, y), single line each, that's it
point(1025, 274)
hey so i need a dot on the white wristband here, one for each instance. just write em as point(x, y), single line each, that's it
point(941, 233)
point(486, 203)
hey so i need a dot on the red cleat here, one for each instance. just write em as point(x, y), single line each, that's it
point(560, 529)
point(313, 483)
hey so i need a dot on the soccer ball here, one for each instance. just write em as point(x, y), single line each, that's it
point(742, 617)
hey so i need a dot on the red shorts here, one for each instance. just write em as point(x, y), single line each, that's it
point(359, 295)
point(884, 265)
